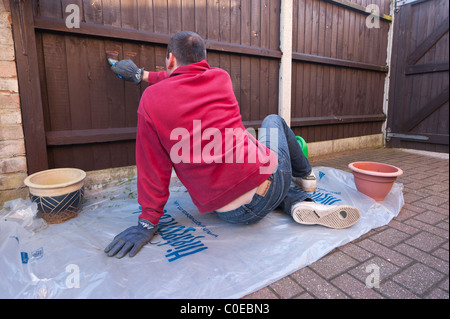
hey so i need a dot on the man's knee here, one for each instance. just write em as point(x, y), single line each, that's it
point(273, 117)
point(273, 120)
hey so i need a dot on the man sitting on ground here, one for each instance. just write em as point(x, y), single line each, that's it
point(191, 109)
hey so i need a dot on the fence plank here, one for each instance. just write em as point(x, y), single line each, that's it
point(29, 86)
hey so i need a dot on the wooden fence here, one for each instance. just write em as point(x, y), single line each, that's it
point(77, 113)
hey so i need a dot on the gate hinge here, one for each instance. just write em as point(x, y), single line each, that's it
point(390, 135)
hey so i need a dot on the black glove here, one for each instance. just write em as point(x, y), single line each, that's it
point(128, 71)
point(131, 240)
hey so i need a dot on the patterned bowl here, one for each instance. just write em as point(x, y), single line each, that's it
point(58, 193)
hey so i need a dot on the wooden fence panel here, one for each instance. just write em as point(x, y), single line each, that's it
point(89, 116)
point(339, 70)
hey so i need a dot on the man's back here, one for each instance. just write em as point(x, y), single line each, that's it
point(191, 121)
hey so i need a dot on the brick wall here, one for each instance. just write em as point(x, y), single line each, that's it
point(13, 168)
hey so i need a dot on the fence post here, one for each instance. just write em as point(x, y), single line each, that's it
point(285, 81)
point(387, 81)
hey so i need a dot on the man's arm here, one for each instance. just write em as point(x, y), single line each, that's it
point(128, 71)
point(154, 77)
point(154, 168)
point(145, 76)
point(154, 172)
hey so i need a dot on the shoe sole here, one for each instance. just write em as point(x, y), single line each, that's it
point(338, 217)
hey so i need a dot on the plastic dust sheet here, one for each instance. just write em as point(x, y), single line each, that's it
point(193, 256)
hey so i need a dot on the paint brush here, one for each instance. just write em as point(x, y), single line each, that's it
point(112, 57)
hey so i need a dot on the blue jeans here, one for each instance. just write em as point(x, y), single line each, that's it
point(276, 135)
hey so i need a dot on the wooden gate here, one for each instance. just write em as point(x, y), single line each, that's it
point(418, 115)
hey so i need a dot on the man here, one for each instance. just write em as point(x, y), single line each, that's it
point(189, 120)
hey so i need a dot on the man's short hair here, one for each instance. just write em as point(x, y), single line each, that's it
point(188, 47)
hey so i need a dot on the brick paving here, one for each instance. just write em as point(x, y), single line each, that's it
point(411, 252)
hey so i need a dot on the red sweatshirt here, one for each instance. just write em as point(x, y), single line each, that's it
point(191, 121)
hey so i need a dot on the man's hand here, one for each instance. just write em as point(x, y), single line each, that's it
point(128, 71)
point(131, 240)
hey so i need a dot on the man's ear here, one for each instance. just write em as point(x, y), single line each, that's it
point(171, 62)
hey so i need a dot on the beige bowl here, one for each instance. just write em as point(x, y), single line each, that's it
point(58, 193)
